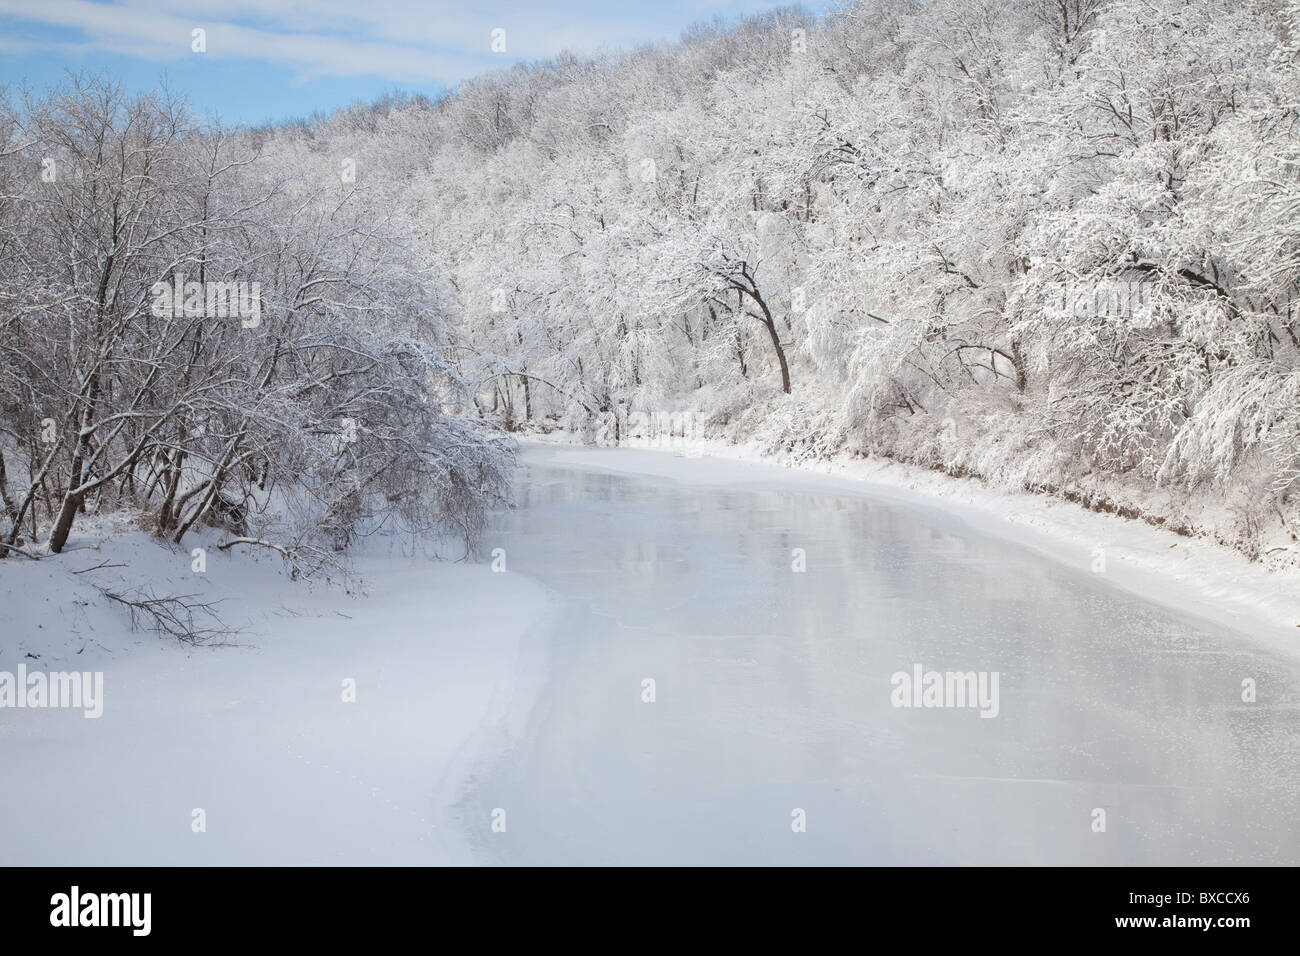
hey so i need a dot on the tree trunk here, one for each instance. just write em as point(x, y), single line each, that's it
point(63, 523)
point(1018, 361)
point(780, 355)
point(770, 322)
point(71, 499)
point(10, 510)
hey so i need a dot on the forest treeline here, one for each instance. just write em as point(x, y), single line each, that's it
point(1051, 243)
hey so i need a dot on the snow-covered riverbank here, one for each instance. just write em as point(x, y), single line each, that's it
point(1193, 574)
point(259, 737)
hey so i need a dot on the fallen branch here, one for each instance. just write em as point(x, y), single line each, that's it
point(260, 542)
point(304, 560)
point(17, 550)
point(97, 567)
point(175, 615)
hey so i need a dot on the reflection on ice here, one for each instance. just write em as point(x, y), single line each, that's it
point(1120, 736)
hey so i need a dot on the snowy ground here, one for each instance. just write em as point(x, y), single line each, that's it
point(258, 736)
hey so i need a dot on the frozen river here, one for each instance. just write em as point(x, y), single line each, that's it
point(1118, 733)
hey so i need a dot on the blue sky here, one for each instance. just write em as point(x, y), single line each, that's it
point(267, 60)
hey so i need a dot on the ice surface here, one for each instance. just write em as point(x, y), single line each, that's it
point(773, 690)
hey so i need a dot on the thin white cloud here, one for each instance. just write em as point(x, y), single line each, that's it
point(403, 41)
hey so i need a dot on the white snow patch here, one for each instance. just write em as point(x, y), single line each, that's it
point(258, 735)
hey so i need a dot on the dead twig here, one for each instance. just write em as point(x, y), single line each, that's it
point(97, 567)
point(191, 622)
